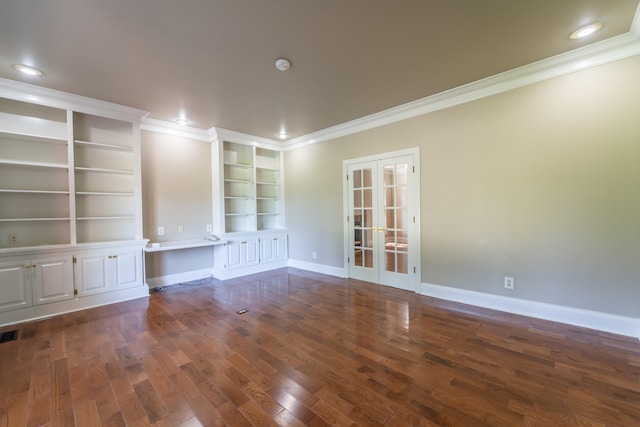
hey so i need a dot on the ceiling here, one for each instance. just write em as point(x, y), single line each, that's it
point(213, 61)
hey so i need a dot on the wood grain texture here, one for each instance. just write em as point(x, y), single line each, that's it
point(312, 350)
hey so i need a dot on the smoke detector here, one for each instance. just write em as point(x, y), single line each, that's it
point(283, 64)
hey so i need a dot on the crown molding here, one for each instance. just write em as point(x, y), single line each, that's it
point(243, 138)
point(26, 92)
point(606, 51)
point(170, 128)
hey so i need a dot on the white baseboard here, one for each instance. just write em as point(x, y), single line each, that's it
point(43, 311)
point(318, 268)
point(622, 325)
point(172, 279)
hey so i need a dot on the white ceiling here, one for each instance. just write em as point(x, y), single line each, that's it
point(213, 60)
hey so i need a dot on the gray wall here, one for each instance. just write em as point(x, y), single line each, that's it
point(176, 190)
point(541, 183)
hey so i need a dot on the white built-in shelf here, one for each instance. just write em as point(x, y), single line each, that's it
point(2, 190)
point(33, 137)
point(240, 214)
point(103, 146)
point(268, 213)
point(102, 193)
point(32, 219)
point(238, 165)
point(102, 170)
point(241, 181)
point(238, 197)
point(102, 218)
point(33, 164)
point(268, 183)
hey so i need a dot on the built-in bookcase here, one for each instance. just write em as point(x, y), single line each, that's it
point(105, 171)
point(66, 177)
point(252, 180)
point(34, 179)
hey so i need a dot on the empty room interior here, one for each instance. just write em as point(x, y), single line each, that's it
point(363, 213)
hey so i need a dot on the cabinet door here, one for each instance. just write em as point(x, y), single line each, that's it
point(128, 269)
point(251, 251)
point(267, 250)
point(242, 253)
point(52, 279)
point(15, 286)
point(93, 275)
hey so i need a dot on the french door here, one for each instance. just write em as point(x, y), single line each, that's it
point(382, 233)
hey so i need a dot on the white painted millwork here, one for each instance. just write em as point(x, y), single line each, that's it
point(248, 253)
point(108, 270)
point(70, 187)
point(250, 214)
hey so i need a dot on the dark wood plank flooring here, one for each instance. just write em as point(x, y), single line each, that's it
point(312, 350)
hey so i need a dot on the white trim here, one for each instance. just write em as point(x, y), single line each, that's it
point(172, 279)
point(318, 268)
point(246, 139)
point(169, 128)
point(36, 312)
point(606, 51)
point(622, 325)
point(54, 98)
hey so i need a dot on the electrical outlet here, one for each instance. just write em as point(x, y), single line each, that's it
point(209, 228)
point(180, 229)
point(13, 239)
point(314, 254)
point(509, 283)
point(160, 231)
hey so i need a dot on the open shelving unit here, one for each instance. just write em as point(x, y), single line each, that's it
point(252, 188)
point(67, 177)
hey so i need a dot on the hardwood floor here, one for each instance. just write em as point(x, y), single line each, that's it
point(312, 350)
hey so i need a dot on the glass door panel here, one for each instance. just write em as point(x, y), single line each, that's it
point(394, 250)
point(362, 231)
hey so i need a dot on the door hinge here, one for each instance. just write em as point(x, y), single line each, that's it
point(75, 292)
point(414, 169)
point(348, 260)
point(414, 269)
point(347, 218)
point(75, 260)
point(414, 219)
point(347, 177)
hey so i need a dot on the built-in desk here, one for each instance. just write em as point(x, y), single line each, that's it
point(182, 244)
point(178, 245)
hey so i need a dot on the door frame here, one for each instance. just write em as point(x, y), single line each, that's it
point(415, 239)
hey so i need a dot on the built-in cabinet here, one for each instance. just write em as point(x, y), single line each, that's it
point(32, 281)
point(70, 189)
point(247, 253)
point(108, 270)
point(251, 209)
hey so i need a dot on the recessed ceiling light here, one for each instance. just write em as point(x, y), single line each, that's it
point(25, 69)
point(283, 135)
point(182, 122)
point(585, 31)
